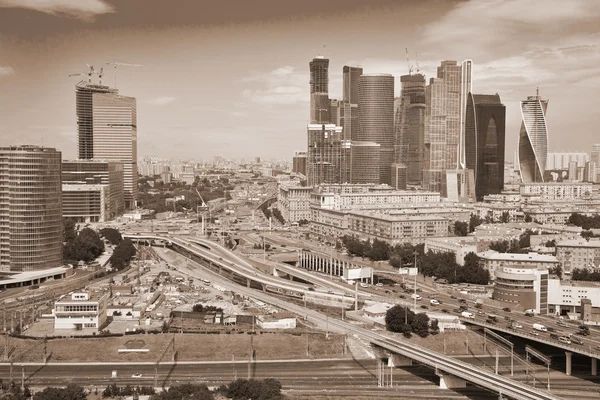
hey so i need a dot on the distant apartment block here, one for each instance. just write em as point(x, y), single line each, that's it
point(561, 161)
point(578, 253)
point(30, 208)
point(556, 191)
point(460, 246)
point(299, 162)
point(294, 202)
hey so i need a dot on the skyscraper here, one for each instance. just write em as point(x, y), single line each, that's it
point(30, 208)
point(325, 156)
point(466, 88)
point(434, 149)
point(351, 79)
point(533, 139)
point(450, 72)
point(485, 121)
point(299, 162)
point(319, 90)
point(376, 118)
point(365, 162)
point(107, 128)
point(410, 126)
point(595, 154)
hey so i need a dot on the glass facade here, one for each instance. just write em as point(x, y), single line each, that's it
point(30, 208)
point(533, 139)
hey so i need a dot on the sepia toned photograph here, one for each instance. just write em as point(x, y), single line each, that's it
point(299, 200)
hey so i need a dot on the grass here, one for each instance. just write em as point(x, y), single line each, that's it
point(190, 347)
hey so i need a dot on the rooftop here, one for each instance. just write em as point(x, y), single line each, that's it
point(579, 243)
point(494, 255)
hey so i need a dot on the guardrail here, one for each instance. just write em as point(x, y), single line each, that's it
point(524, 334)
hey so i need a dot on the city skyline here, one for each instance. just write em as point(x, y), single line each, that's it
point(257, 95)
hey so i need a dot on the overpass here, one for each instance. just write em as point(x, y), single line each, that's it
point(568, 348)
point(453, 373)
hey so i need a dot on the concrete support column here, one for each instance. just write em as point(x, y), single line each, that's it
point(397, 360)
point(247, 282)
point(569, 362)
point(594, 367)
point(451, 382)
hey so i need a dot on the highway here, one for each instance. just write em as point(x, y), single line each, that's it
point(434, 360)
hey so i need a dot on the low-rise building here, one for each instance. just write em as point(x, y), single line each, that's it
point(523, 286)
point(276, 321)
point(556, 190)
point(81, 312)
point(565, 296)
point(460, 246)
point(492, 260)
point(578, 253)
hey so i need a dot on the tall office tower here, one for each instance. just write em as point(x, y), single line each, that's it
point(376, 118)
point(335, 112)
point(434, 149)
point(451, 74)
point(349, 120)
point(299, 162)
point(410, 126)
point(533, 139)
point(485, 132)
point(351, 79)
point(30, 208)
point(319, 90)
point(466, 87)
point(572, 171)
point(365, 162)
point(95, 172)
point(325, 154)
point(107, 127)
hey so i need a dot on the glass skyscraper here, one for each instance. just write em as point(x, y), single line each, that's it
point(533, 139)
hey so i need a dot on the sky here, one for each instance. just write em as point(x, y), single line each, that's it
point(230, 78)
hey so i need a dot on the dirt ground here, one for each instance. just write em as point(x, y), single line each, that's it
point(189, 347)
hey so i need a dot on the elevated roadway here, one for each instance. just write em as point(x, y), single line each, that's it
point(445, 367)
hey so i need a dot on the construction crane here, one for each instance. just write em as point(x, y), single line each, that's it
point(410, 67)
point(116, 64)
point(91, 71)
point(202, 209)
point(417, 61)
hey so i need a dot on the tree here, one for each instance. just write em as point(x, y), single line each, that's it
point(398, 318)
point(396, 261)
point(505, 217)
point(461, 228)
point(472, 272)
point(551, 243)
point(185, 392)
point(474, 222)
point(501, 246)
point(420, 324)
point(112, 235)
point(198, 308)
point(122, 254)
point(71, 392)
point(556, 271)
point(69, 233)
point(244, 389)
point(379, 250)
point(528, 218)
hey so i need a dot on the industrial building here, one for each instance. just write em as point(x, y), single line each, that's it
point(81, 312)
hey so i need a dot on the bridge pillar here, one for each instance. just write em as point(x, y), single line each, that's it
point(594, 367)
point(451, 382)
point(397, 360)
point(248, 282)
point(569, 362)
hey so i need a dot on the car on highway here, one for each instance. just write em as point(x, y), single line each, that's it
point(507, 309)
point(445, 311)
point(364, 285)
point(576, 340)
point(453, 297)
point(424, 307)
point(564, 339)
point(534, 333)
point(379, 284)
point(434, 302)
point(553, 336)
point(490, 321)
point(516, 325)
point(563, 324)
point(137, 375)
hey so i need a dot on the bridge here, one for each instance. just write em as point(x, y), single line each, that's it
point(453, 373)
point(568, 348)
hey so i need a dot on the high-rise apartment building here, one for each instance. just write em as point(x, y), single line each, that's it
point(319, 90)
point(485, 133)
point(590, 173)
point(326, 156)
point(107, 128)
point(533, 139)
point(410, 126)
point(376, 118)
point(466, 87)
point(561, 161)
point(98, 173)
point(30, 208)
point(450, 73)
point(434, 150)
point(595, 154)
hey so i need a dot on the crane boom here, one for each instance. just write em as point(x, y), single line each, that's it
point(116, 64)
point(410, 67)
point(204, 206)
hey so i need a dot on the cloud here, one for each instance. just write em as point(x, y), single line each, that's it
point(284, 85)
point(161, 100)
point(5, 71)
point(85, 10)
